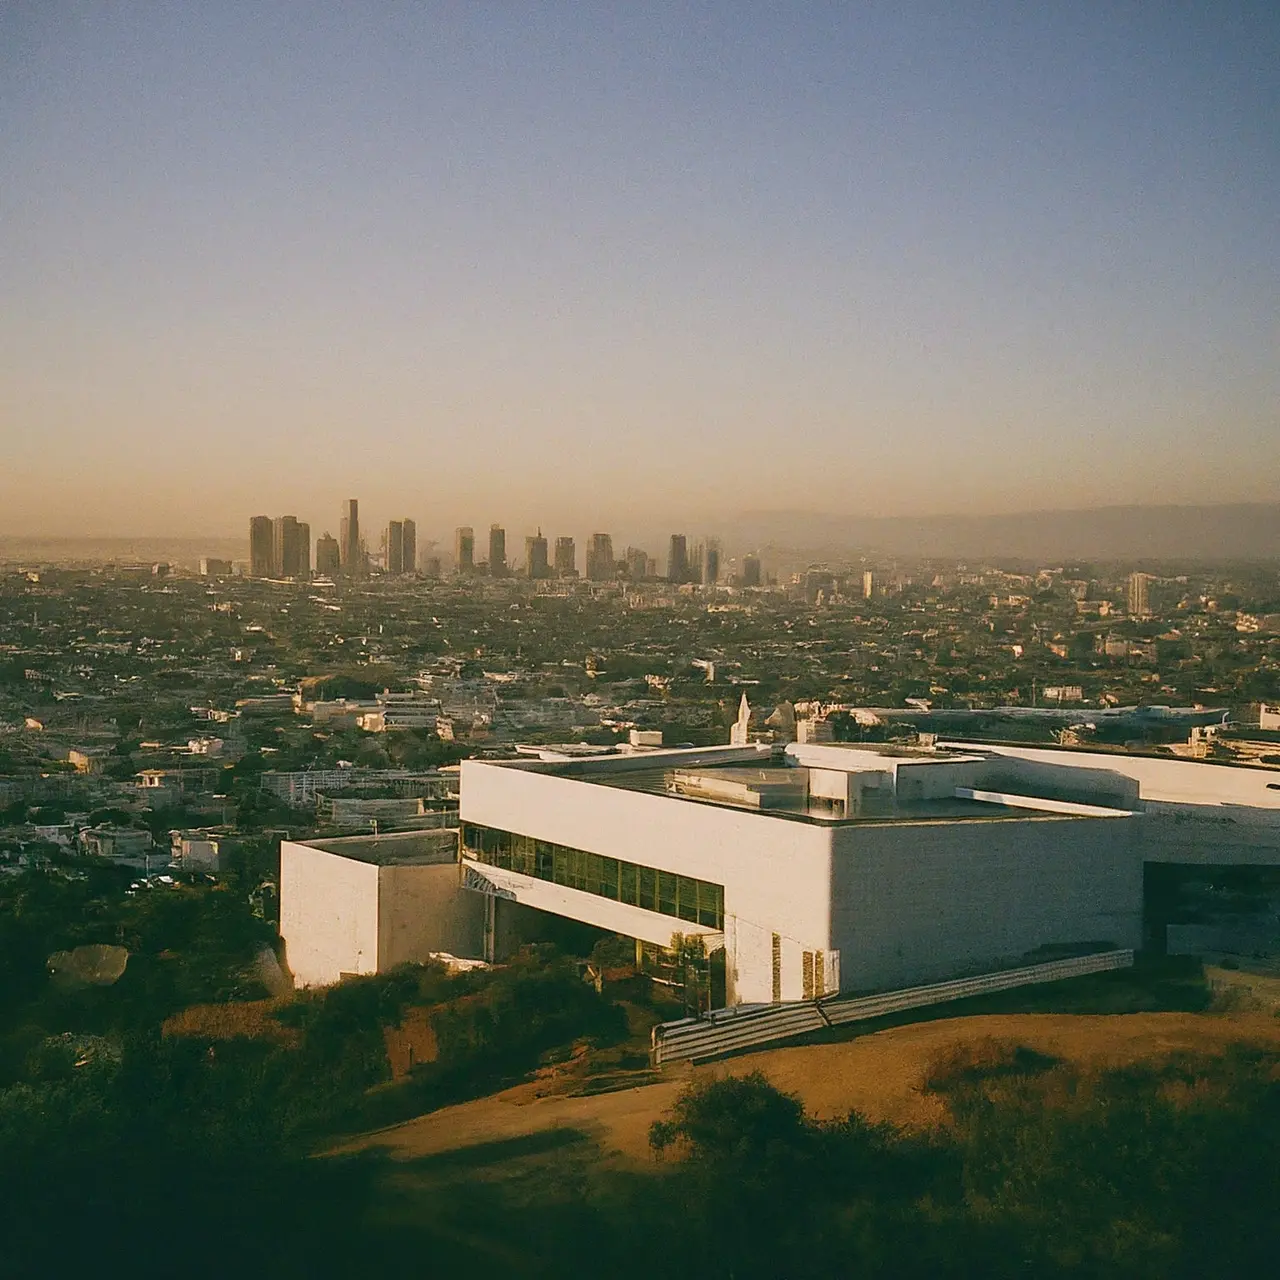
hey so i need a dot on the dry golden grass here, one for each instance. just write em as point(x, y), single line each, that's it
point(251, 1019)
point(882, 1075)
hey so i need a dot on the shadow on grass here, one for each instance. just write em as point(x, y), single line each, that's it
point(483, 1154)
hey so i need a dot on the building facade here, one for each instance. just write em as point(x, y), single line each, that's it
point(402, 547)
point(566, 558)
point(678, 559)
point(600, 564)
point(328, 556)
point(872, 872)
point(409, 546)
point(497, 551)
point(260, 546)
point(811, 869)
point(349, 546)
point(637, 561)
point(1139, 602)
point(535, 557)
point(359, 904)
point(290, 548)
point(464, 549)
point(710, 563)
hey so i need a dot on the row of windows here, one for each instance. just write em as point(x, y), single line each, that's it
point(698, 901)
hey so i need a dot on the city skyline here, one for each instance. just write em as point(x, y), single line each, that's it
point(583, 266)
point(281, 547)
point(1212, 533)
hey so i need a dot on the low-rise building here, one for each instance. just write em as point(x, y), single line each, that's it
point(198, 850)
point(88, 759)
point(364, 904)
point(120, 844)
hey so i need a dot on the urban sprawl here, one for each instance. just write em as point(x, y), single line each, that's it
point(402, 711)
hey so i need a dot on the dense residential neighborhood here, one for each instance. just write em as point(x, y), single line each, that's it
point(167, 731)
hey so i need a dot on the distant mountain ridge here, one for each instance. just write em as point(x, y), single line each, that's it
point(1239, 531)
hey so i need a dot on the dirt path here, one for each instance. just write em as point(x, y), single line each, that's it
point(879, 1075)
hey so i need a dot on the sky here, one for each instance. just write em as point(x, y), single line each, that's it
point(597, 265)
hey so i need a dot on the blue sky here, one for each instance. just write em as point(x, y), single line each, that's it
point(587, 264)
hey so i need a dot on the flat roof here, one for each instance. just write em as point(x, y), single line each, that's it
point(797, 786)
point(890, 750)
point(394, 848)
point(873, 807)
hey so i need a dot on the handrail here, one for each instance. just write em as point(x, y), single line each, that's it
point(695, 1039)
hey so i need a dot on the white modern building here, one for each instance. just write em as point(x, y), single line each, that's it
point(817, 868)
point(827, 868)
point(364, 904)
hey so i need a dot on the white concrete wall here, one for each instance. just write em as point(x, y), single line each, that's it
point(328, 914)
point(916, 902)
point(832, 784)
point(1186, 782)
point(848, 759)
point(902, 902)
point(936, 779)
point(1193, 812)
point(776, 871)
point(1205, 836)
point(422, 909)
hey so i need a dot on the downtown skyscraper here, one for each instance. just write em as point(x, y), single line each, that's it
point(328, 557)
point(497, 551)
point(464, 548)
point(402, 547)
point(279, 548)
point(600, 564)
point(290, 548)
point(535, 557)
point(678, 559)
point(349, 548)
point(566, 558)
point(261, 546)
point(711, 563)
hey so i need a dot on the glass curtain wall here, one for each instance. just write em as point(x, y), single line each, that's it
point(682, 897)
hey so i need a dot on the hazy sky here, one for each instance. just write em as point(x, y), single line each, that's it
point(591, 264)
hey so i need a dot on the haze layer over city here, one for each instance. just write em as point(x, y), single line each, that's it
point(640, 640)
point(651, 267)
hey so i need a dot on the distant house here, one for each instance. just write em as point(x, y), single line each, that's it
point(120, 844)
point(198, 850)
point(88, 759)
